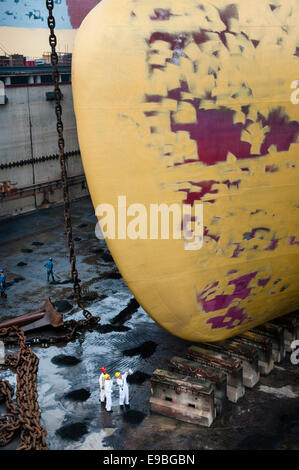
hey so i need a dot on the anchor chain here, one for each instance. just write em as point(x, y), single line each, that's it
point(62, 160)
point(71, 328)
point(25, 416)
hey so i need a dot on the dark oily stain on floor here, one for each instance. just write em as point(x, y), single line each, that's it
point(78, 395)
point(62, 306)
point(107, 258)
point(145, 350)
point(26, 250)
point(37, 243)
point(260, 442)
point(126, 313)
point(284, 434)
point(73, 431)
point(138, 377)
point(62, 360)
point(111, 275)
point(15, 280)
point(98, 250)
point(89, 295)
point(290, 429)
point(65, 281)
point(109, 328)
point(21, 263)
point(134, 416)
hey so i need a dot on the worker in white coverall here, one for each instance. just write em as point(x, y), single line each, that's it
point(108, 392)
point(123, 388)
point(102, 384)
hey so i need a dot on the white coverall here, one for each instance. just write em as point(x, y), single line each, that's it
point(108, 392)
point(123, 388)
point(102, 387)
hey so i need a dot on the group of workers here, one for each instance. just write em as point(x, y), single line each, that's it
point(2, 284)
point(106, 386)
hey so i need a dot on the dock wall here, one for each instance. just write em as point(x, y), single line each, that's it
point(29, 164)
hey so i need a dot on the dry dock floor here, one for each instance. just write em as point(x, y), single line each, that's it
point(266, 418)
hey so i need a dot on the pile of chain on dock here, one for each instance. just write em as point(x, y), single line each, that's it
point(23, 417)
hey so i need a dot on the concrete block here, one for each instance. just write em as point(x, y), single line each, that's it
point(231, 367)
point(290, 324)
point(200, 371)
point(245, 354)
point(182, 397)
point(276, 334)
point(263, 346)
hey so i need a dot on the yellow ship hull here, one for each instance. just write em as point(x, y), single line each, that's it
point(184, 103)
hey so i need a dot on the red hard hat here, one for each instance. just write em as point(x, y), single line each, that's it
point(103, 369)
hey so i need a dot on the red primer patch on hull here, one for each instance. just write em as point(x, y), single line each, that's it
point(237, 251)
point(241, 291)
point(273, 245)
point(293, 241)
point(263, 282)
point(233, 318)
point(252, 234)
point(206, 233)
point(271, 169)
point(216, 134)
point(78, 9)
point(206, 188)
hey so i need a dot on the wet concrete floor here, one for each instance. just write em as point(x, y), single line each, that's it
point(266, 418)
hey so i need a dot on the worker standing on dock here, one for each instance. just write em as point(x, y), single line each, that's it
point(49, 265)
point(123, 388)
point(3, 278)
point(2, 283)
point(108, 392)
point(102, 384)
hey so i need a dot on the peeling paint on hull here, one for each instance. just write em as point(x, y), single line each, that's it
point(192, 103)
